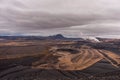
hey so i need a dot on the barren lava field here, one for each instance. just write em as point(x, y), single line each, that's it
point(58, 60)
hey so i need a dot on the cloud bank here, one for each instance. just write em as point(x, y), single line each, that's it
point(73, 18)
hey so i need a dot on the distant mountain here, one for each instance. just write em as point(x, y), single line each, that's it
point(54, 37)
point(61, 37)
point(58, 36)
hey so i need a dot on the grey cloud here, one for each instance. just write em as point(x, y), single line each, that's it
point(54, 16)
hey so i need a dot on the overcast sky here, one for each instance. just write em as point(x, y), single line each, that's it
point(72, 18)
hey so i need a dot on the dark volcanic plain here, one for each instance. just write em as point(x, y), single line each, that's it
point(51, 59)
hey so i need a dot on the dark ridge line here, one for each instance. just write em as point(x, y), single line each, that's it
point(113, 73)
point(67, 75)
point(72, 51)
point(12, 72)
point(76, 75)
point(18, 73)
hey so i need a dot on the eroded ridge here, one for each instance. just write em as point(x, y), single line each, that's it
point(74, 59)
